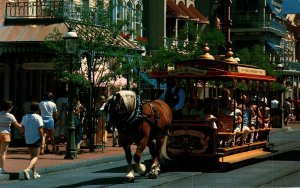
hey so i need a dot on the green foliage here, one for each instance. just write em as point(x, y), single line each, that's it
point(103, 46)
point(276, 86)
point(215, 40)
point(62, 63)
point(256, 56)
point(162, 59)
point(189, 31)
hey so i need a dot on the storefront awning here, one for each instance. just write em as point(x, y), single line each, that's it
point(181, 11)
point(28, 33)
point(270, 6)
point(290, 7)
point(273, 10)
point(187, 11)
point(273, 46)
point(96, 31)
point(174, 11)
point(25, 38)
point(202, 18)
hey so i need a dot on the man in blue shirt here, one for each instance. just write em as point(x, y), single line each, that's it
point(174, 96)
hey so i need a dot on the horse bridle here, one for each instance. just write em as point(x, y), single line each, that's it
point(116, 107)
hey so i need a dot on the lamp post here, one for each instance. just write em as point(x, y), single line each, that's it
point(71, 47)
point(90, 110)
point(279, 69)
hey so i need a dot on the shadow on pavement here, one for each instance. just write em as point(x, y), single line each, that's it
point(292, 155)
point(103, 181)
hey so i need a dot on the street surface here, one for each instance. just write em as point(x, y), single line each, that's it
point(282, 169)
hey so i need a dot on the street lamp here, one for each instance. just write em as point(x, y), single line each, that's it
point(71, 47)
point(279, 69)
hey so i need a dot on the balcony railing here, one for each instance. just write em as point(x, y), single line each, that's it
point(34, 9)
point(179, 44)
point(54, 11)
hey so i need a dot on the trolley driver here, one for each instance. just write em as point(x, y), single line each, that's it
point(174, 96)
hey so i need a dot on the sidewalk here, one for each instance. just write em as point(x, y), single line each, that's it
point(18, 157)
point(17, 160)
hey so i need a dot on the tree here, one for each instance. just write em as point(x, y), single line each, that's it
point(256, 56)
point(215, 40)
point(103, 55)
point(103, 48)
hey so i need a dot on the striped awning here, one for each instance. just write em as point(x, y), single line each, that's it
point(180, 10)
point(273, 46)
point(173, 10)
point(188, 12)
point(202, 18)
point(28, 33)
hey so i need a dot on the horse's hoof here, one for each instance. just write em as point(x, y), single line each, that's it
point(153, 175)
point(141, 168)
point(130, 179)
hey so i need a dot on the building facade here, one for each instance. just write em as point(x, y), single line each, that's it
point(163, 21)
point(26, 70)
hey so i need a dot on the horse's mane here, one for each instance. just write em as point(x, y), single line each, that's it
point(129, 98)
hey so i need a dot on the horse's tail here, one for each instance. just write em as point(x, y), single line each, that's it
point(163, 152)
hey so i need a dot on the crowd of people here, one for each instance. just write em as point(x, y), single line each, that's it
point(44, 126)
point(249, 114)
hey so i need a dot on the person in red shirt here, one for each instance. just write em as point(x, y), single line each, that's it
point(297, 108)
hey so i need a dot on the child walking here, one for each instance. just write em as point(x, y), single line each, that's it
point(32, 124)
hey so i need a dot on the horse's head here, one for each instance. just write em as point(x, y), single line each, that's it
point(119, 107)
point(114, 108)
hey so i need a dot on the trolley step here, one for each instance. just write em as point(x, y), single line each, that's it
point(244, 156)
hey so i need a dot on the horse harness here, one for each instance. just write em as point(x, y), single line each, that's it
point(139, 116)
point(152, 119)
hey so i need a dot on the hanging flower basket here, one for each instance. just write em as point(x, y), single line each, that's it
point(142, 40)
point(125, 36)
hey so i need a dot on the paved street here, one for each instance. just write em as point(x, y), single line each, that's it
point(107, 168)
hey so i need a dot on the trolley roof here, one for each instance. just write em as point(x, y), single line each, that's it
point(210, 69)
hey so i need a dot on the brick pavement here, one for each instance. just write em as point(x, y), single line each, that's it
point(18, 158)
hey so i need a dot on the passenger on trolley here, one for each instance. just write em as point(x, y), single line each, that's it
point(225, 102)
point(174, 96)
point(198, 107)
point(207, 116)
point(263, 115)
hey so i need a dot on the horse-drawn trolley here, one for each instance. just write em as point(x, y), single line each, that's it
point(226, 117)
